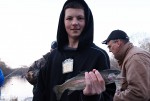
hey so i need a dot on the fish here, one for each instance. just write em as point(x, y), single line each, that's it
point(78, 82)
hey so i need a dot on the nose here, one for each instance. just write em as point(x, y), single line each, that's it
point(74, 21)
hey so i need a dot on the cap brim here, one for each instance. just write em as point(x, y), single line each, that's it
point(104, 42)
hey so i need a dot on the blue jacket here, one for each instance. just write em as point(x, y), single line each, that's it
point(1, 78)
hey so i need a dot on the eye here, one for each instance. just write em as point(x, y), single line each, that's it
point(69, 18)
point(80, 18)
point(109, 47)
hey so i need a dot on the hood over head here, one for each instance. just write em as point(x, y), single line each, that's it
point(86, 37)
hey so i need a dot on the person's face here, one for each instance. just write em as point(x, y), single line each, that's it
point(113, 46)
point(74, 21)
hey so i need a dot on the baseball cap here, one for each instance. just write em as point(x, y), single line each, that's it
point(116, 34)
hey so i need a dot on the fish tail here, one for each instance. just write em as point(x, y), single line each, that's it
point(58, 89)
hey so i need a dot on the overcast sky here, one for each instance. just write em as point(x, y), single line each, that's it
point(27, 27)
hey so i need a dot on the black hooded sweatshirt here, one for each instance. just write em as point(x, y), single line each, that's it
point(85, 58)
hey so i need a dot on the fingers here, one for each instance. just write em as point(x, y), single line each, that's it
point(101, 82)
point(88, 84)
point(94, 83)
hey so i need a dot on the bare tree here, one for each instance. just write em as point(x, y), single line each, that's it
point(145, 44)
point(6, 70)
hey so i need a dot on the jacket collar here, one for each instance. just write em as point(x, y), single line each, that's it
point(123, 52)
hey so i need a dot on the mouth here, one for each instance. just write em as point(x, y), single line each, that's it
point(75, 29)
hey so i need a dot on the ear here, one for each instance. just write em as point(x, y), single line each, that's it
point(119, 42)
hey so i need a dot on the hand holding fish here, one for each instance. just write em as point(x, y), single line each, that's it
point(95, 84)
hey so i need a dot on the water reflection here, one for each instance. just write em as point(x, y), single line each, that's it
point(16, 87)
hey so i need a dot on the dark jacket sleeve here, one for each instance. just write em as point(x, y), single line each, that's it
point(108, 94)
point(105, 96)
point(40, 92)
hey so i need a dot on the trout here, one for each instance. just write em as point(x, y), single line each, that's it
point(78, 82)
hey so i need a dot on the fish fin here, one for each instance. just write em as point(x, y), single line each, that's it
point(81, 73)
point(58, 91)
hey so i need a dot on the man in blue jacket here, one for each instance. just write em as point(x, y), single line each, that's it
point(1, 79)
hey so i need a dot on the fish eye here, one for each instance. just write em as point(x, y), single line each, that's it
point(111, 76)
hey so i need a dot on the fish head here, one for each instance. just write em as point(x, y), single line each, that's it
point(111, 75)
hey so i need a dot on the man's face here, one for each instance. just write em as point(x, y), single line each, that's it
point(113, 46)
point(74, 22)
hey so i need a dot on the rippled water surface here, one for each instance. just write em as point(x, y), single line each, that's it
point(16, 88)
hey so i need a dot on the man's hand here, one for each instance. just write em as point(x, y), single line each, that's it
point(95, 84)
point(29, 76)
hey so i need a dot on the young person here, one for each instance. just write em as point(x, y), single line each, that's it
point(76, 53)
point(135, 67)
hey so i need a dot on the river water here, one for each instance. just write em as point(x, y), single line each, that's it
point(16, 88)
